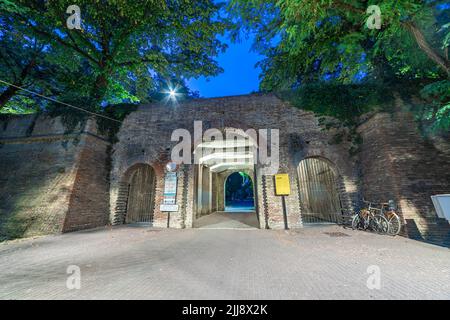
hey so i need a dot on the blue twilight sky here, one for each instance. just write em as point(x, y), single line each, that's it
point(240, 75)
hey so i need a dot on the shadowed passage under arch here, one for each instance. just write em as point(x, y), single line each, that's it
point(239, 195)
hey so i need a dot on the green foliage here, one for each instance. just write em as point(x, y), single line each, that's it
point(119, 58)
point(127, 42)
point(345, 102)
point(119, 112)
point(340, 107)
point(11, 6)
point(446, 30)
point(437, 111)
point(20, 105)
point(307, 40)
point(22, 64)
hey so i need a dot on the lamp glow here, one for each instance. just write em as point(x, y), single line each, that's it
point(172, 93)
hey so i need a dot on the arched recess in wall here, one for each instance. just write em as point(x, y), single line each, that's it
point(319, 194)
point(136, 199)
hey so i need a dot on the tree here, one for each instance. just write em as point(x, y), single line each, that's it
point(307, 40)
point(126, 44)
point(30, 63)
point(318, 40)
point(19, 58)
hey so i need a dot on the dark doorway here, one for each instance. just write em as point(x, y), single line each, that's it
point(141, 195)
point(239, 193)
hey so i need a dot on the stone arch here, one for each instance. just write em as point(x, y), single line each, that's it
point(136, 195)
point(320, 190)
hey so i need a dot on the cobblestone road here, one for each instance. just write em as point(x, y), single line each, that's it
point(142, 263)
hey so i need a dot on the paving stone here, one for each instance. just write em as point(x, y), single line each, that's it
point(146, 263)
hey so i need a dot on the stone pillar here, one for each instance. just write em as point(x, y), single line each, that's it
point(188, 195)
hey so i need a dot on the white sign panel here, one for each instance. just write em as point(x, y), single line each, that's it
point(168, 207)
point(170, 188)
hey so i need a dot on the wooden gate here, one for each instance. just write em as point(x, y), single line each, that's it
point(141, 195)
point(319, 196)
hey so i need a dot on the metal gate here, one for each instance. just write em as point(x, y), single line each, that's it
point(319, 196)
point(141, 195)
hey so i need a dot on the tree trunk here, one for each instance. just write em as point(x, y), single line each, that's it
point(99, 89)
point(440, 60)
point(11, 91)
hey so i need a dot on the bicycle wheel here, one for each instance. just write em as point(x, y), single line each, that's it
point(380, 224)
point(394, 224)
point(356, 222)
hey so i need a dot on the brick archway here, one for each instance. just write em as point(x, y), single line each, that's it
point(136, 198)
point(269, 122)
point(319, 194)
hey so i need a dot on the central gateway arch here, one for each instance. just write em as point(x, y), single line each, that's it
point(145, 138)
point(220, 154)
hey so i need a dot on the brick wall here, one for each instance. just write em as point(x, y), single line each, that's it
point(45, 175)
point(89, 200)
point(145, 137)
point(399, 163)
point(57, 181)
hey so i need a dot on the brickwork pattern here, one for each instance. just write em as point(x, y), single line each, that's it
point(89, 201)
point(145, 137)
point(399, 164)
point(52, 180)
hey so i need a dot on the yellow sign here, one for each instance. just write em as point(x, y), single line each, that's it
point(282, 185)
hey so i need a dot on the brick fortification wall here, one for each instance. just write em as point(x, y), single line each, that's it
point(399, 163)
point(51, 180)
point(145, 137)
point(89, 201)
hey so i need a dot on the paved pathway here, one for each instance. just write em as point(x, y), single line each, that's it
point(142, 263)
point(228, 220)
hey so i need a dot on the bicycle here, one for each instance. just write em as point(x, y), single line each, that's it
point(388, 211)
point(367, 219)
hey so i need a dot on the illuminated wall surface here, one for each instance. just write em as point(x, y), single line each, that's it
point(54, 180)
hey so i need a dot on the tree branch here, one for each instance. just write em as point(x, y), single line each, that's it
point(418, 35)
point(423, 44)
point(50, 36)
point(131, 63)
